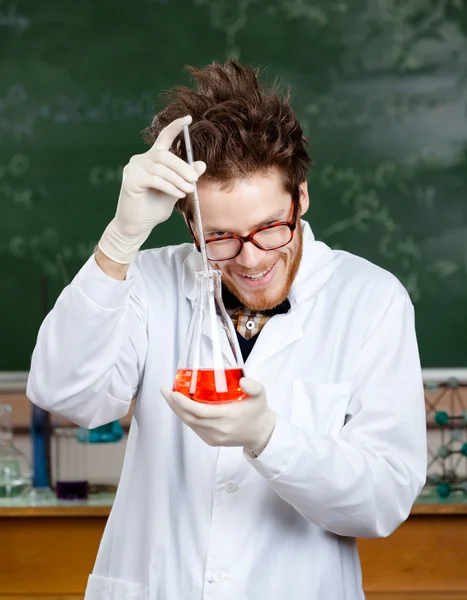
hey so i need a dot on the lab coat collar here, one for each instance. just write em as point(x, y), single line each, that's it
point(314, 272)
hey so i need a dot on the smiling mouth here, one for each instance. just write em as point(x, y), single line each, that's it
point(258, 276)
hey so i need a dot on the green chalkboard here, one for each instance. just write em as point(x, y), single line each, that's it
point(380, 87)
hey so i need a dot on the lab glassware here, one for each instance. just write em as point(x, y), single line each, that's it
point(211, 364)
point(71, 478)
point(15, 471)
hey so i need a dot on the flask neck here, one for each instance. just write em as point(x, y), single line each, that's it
point(208, 283)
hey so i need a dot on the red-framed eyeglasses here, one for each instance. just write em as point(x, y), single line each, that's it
point(266, 237)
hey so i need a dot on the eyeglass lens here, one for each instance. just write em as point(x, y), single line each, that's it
point(268, 239)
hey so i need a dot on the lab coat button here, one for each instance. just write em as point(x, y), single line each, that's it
point(231, 487)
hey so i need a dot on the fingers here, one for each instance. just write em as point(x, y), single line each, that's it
point(160, 184)
point(169, 176)
point(177, 171)
point(189, 410)
point(167, 136)
point(199, 166)
point(164, 172)
point(251, 387)
point(169, 160)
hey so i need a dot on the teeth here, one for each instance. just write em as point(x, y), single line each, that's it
point(258, 276)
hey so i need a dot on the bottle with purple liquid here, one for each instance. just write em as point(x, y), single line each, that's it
point(71, 477)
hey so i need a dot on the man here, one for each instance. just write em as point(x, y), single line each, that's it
point(259, 499)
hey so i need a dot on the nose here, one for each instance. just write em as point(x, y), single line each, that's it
point(250, 256)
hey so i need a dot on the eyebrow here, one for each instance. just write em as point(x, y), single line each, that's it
point(277, 216)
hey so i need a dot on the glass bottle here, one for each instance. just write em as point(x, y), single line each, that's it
point(71, 477)
point(15, 472)
point(104, 434)
point(40, 446)
point(211, 364)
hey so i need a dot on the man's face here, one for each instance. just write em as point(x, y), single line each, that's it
point(240, 208)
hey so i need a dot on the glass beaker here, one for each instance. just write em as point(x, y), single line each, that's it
point(71, 480)
point(15, 472)
point(211, 365)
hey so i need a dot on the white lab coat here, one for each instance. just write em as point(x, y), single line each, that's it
point(347, 457)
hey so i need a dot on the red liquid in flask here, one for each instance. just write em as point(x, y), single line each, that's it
point(205, 389)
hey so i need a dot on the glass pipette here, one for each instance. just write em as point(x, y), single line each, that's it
point(202, 243)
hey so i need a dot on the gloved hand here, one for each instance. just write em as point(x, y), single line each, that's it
point(152, 183)
point(248, 423)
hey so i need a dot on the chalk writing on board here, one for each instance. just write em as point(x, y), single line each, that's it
point(15, 166)
point(387, 173)
point(11, 18)
point(19, 197)
point(14, 186)
point(417, 22)
point(13, 119)
point(297, 9)
point(443, 268)
point(98, 175)
point(45, 248)
point(345, 110)
point(403, 25)
point(15, 95)
point(64, 109)
point(19, 129)
point(405, 36)
point(319, 14)
point(369, 200)
point(383, 174)
point(392, 246)
point(19, 115)
point(231, 17)
point(361, 193)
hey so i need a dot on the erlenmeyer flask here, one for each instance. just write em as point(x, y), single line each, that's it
point(211, 364)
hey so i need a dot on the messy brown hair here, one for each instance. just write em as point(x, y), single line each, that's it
point(239, 126)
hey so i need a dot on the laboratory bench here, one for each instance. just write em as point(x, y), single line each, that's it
point(47, 551)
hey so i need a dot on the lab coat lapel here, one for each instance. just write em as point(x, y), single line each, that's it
point(279, 332)
point(313, 275)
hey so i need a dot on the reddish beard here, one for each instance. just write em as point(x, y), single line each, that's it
point(262, 300)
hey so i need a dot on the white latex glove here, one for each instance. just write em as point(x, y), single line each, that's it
point(248, 423)
point(152, 183)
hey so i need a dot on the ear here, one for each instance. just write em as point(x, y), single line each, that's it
point(304, 197)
